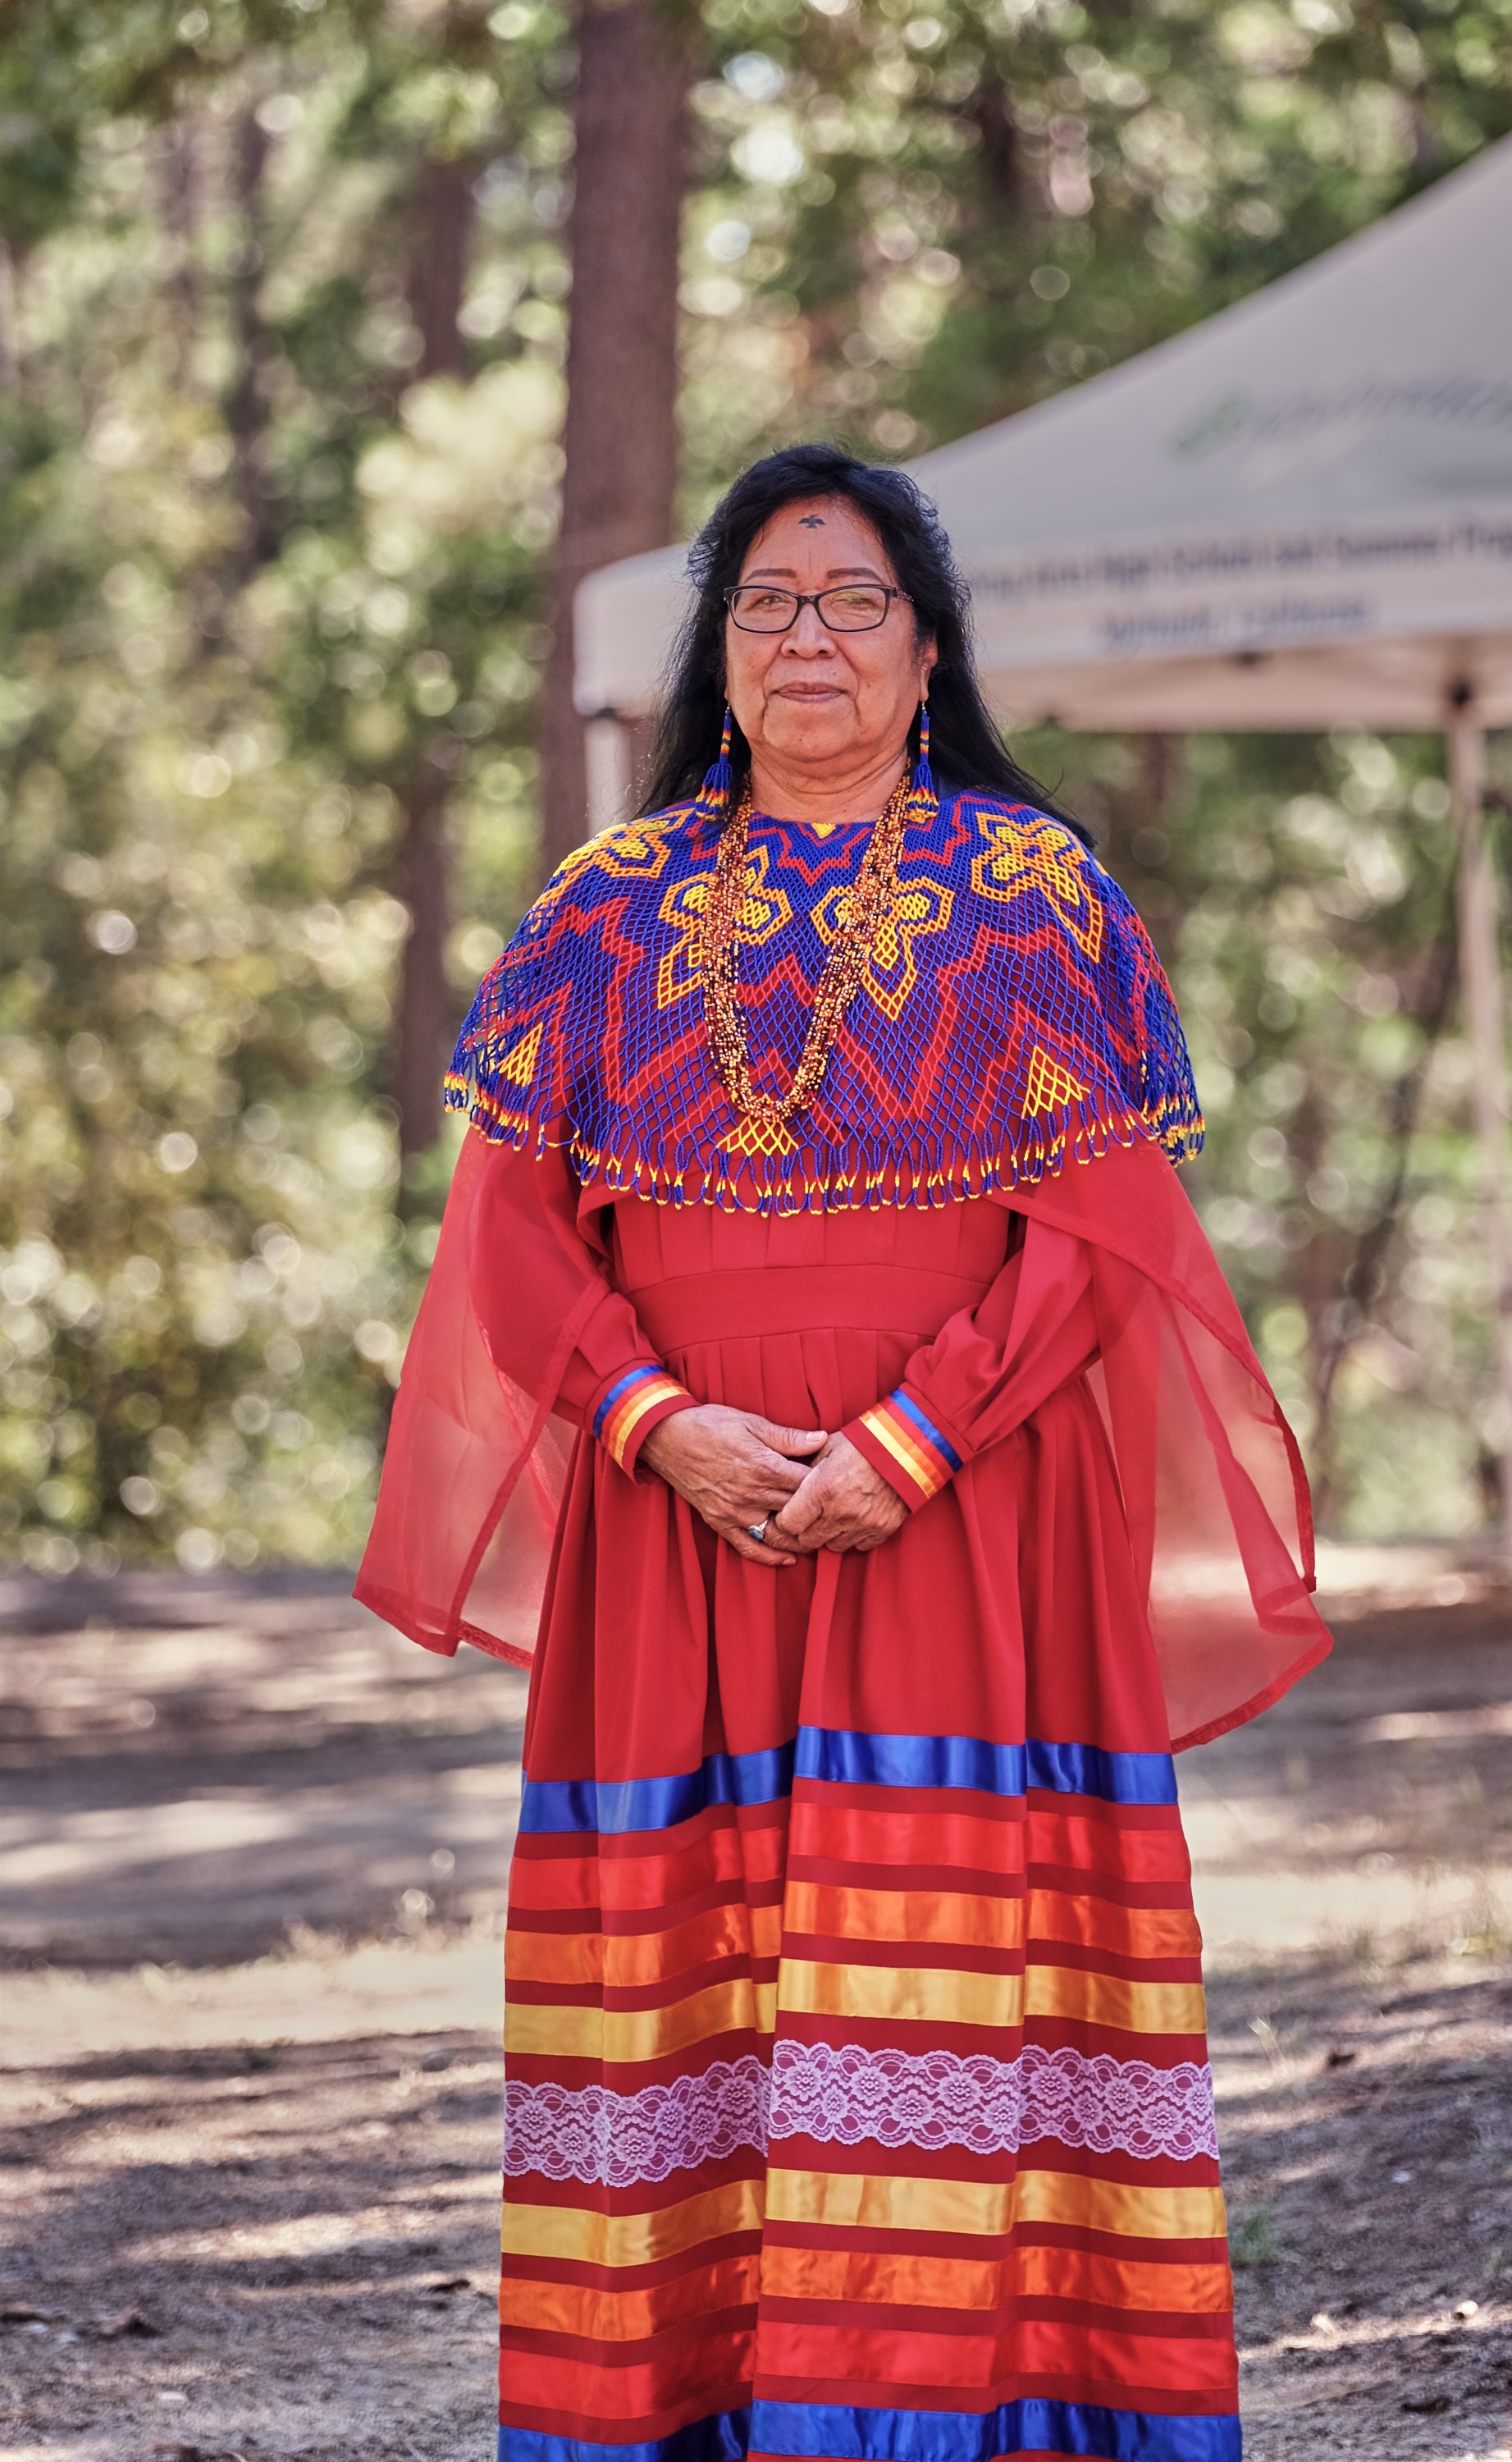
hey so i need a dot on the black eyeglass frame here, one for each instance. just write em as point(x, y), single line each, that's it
point(811, 598)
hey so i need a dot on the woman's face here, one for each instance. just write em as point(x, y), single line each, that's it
point(812, 696)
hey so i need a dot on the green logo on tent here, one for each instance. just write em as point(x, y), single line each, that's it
point(1214, 428)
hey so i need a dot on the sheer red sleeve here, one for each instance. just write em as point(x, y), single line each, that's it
point(1114, 1276)
point(1213, 1485)
point(611, 1381)
point(518, 1329)
point(988, 1369)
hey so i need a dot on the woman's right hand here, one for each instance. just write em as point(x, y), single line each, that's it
point(735, 1468)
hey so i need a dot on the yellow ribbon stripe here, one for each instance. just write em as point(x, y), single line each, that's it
point(927, 1468)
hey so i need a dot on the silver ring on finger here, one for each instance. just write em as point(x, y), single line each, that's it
point(757, 1530)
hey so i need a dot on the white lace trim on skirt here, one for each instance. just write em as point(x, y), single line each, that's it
point(853, 2096)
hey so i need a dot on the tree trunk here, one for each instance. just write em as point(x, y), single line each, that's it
point(180, 177)
point(1133, 822)
point(246, 416)
point(423, 1024)
point(9, 363)
point(635, 61)
point(1143, 807)
point(445, 211)
point(991, 112)
point(1336, 1323)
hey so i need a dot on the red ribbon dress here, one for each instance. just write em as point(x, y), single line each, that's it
point(857, 2092)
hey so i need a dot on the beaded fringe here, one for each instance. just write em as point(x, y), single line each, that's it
point(842, 1180)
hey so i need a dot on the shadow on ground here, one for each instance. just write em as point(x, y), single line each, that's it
point(264, 2250)
point(196, 1770)
point(256, 1850)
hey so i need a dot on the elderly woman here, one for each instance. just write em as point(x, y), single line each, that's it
point(926, 1495)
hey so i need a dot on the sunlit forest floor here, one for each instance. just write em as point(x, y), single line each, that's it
point(256, 1850)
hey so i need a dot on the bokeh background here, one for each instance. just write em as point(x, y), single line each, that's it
point(283, 340)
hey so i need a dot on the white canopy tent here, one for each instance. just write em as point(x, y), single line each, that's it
point(1297, 515)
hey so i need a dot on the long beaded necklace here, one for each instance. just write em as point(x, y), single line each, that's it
point(864, 911)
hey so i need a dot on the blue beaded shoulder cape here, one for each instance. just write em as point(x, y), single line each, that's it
point(1013, 1014)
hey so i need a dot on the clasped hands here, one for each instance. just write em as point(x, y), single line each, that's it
point(736, 1469)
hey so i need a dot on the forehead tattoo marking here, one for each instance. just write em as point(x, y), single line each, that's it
point(811, 521)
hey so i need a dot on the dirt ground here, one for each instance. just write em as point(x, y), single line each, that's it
point(255, 1849)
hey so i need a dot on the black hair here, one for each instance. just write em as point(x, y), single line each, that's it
point(965, 749)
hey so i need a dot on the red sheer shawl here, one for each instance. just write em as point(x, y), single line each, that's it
point(474, 1468)
point(1213, 1484)
point(1214, 1489)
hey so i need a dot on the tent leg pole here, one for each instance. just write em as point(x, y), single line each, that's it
point(607, 749)
point(1480, 968)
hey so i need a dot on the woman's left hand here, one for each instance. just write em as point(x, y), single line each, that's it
point(842, 1505)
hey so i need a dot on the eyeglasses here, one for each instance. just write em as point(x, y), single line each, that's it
point(851, 607)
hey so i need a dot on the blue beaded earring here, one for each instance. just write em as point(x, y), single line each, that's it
point(923, 801)
point(713, 795)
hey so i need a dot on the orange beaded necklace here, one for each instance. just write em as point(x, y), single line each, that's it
point(863, 914)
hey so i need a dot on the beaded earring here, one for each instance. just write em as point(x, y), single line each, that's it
point(923, 801)
point(713, 795)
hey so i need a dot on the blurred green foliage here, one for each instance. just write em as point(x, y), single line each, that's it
point(256, 581)
point(1302, 895)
